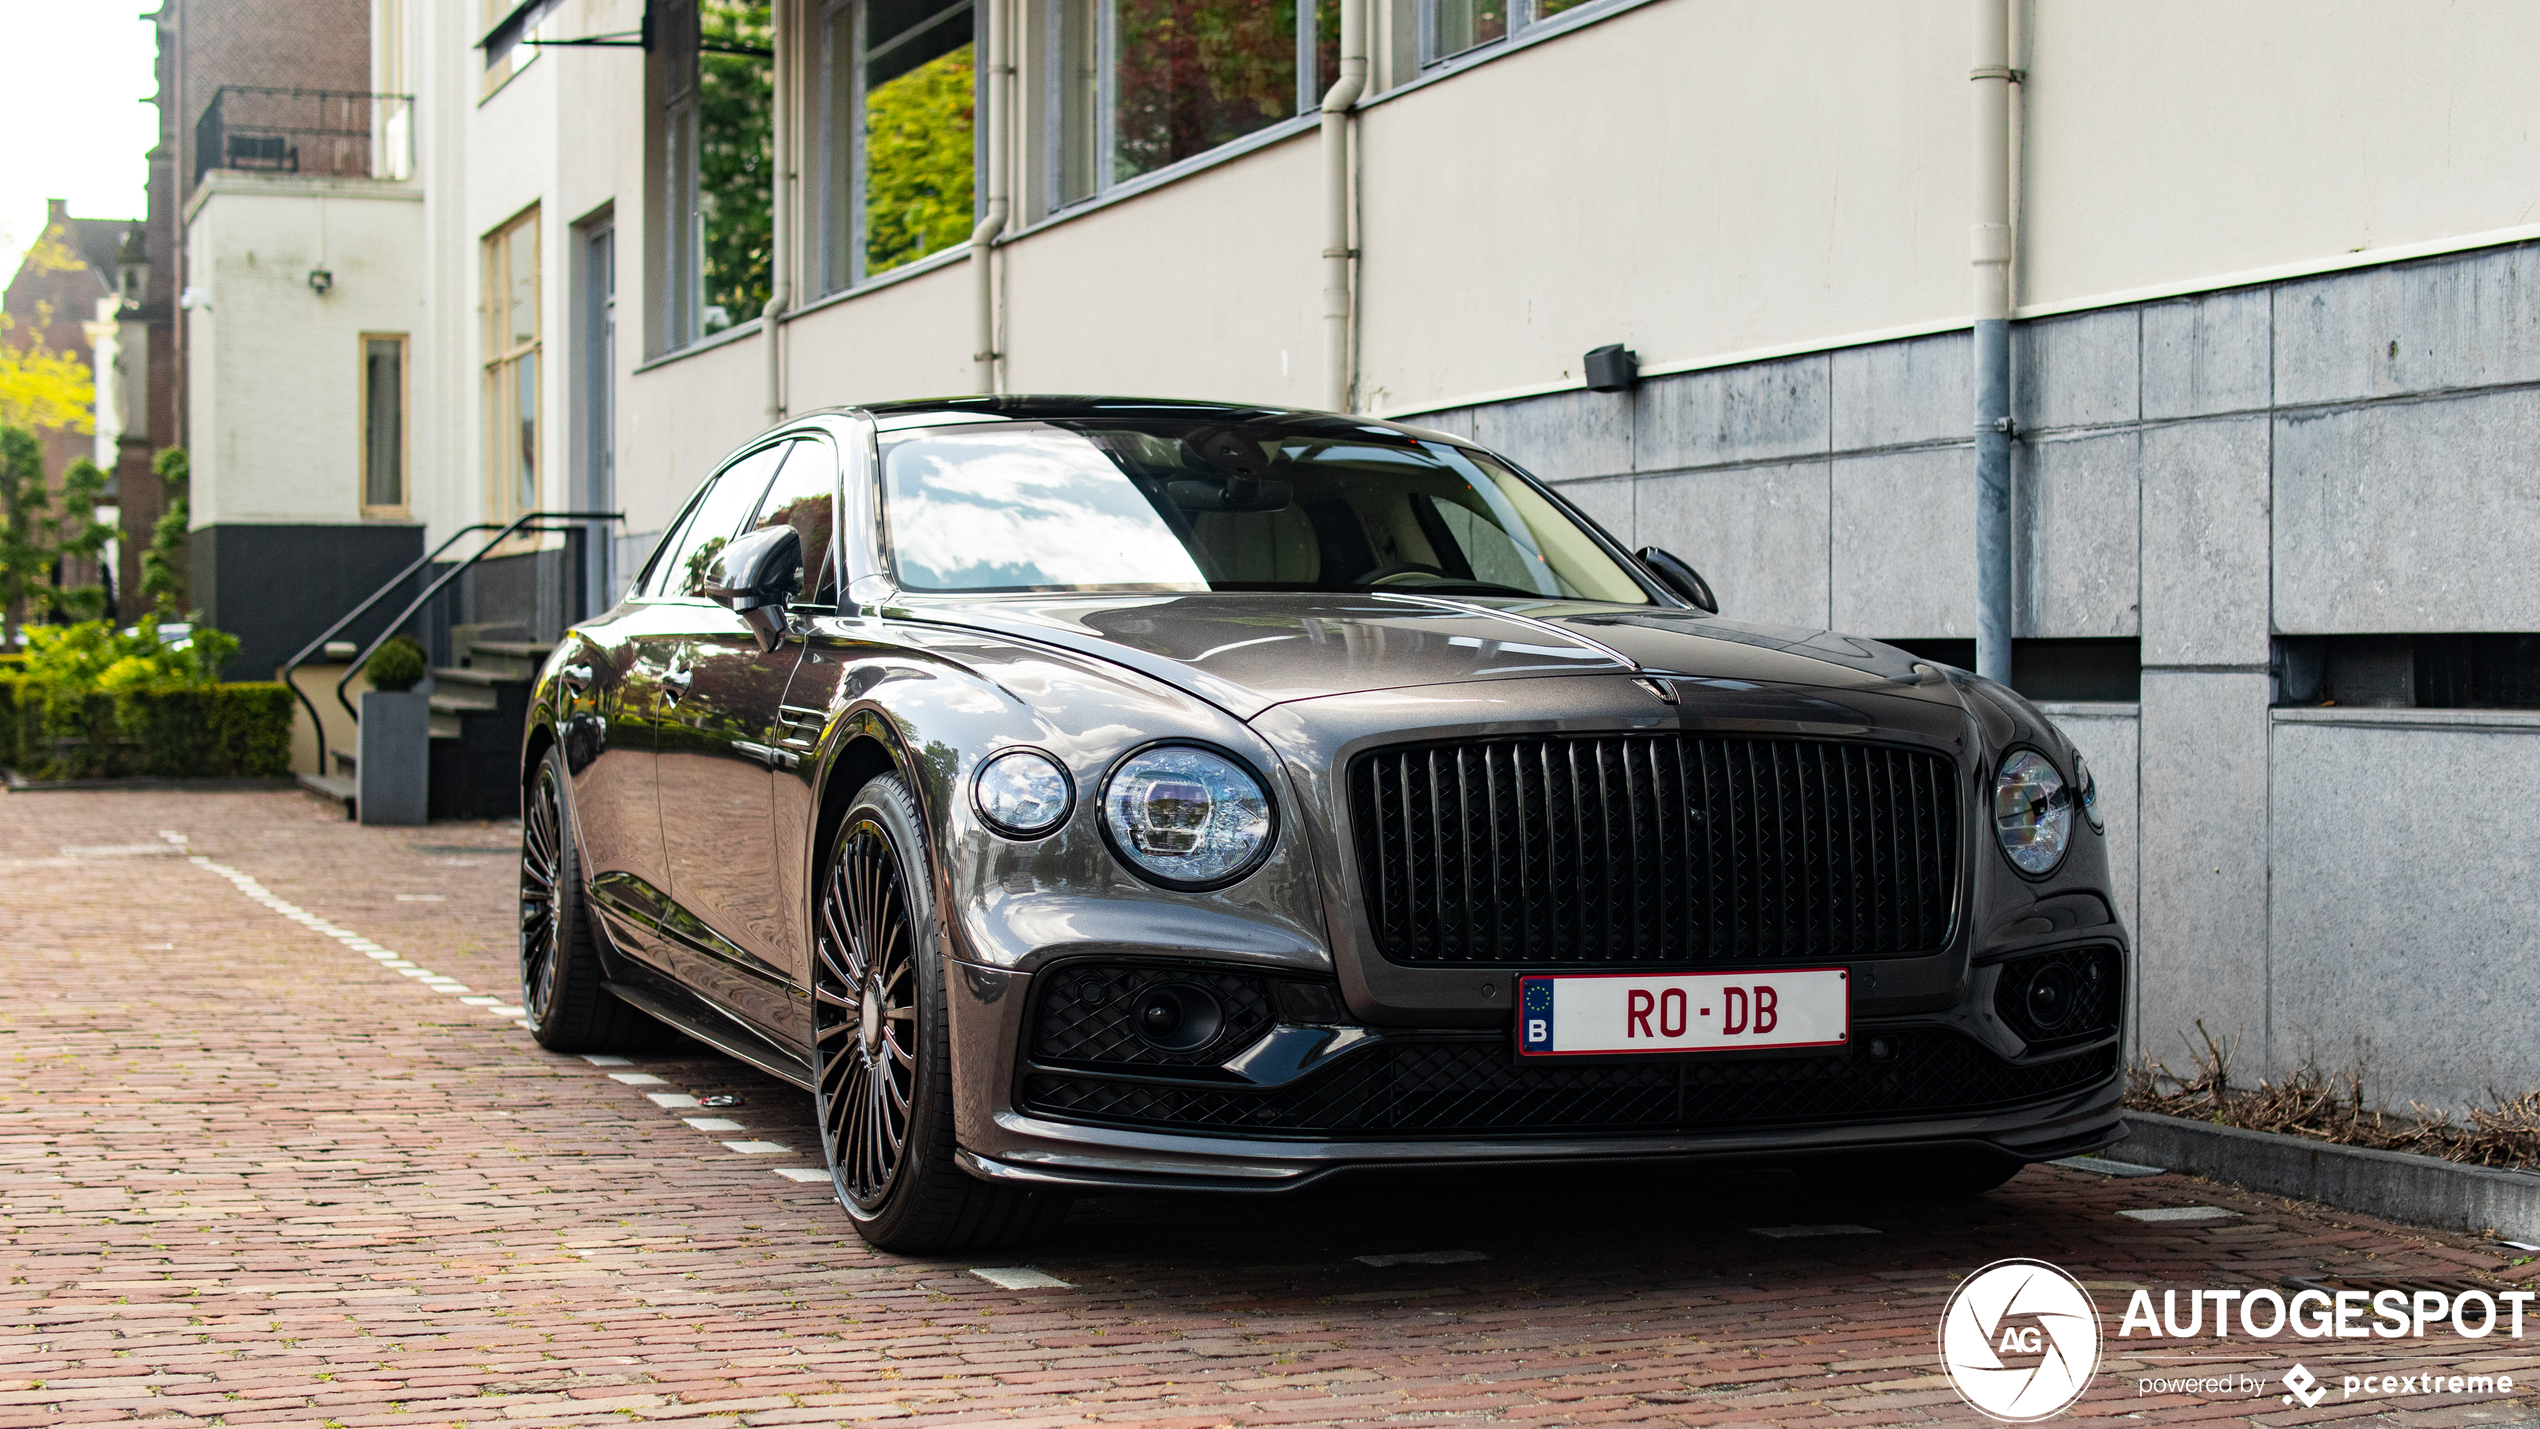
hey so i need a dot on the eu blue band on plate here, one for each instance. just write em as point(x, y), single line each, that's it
point(1534, 1004)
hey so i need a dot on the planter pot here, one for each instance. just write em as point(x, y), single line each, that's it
point(394, 769)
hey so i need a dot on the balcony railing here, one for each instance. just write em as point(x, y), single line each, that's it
point(334, 132)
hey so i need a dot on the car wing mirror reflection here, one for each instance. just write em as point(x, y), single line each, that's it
point(1673, 573)
point(755, 577)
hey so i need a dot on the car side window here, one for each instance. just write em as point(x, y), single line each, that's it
point(729, 498)
point(805, 497)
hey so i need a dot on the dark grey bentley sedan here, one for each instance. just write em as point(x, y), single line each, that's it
point(1077, 793)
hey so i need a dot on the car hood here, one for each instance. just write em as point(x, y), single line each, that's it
point(1247, 652)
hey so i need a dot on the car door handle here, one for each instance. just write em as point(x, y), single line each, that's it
point(574, 678)
point(676, 679)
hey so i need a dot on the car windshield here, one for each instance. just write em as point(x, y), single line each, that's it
point(1032, 506)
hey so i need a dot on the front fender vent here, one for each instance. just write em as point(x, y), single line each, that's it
point(1634, 850)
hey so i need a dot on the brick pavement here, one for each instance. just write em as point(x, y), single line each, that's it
point(255, 1174)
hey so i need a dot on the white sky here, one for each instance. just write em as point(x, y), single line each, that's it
point(73, 123)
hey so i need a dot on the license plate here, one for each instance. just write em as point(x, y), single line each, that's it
point(1609, 1014)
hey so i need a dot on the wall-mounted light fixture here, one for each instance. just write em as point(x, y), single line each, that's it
point(320, 280)
point(1612, 368)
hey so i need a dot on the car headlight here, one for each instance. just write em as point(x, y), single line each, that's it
point(2032, 811)
point(1186, 816)
point(2089, 794)
point(1023, 792)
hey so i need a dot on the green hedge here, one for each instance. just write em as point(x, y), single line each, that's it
point(240, 731)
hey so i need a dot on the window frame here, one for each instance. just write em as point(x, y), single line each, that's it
point(404, 504)
point(1063, 102)
point(1523, 16)
point(502, 363)
point(845, 154)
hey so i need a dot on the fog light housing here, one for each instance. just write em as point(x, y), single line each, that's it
point(1177, 1017)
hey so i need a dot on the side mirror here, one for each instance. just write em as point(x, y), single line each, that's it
point(755, 576)
point(1683, 579)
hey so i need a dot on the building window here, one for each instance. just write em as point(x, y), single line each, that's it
point(504, 24)
point(898, 91)
point(511, 368)
point(383, 424)
point(1450, 27)
point(1142, 84)
point(719, 107)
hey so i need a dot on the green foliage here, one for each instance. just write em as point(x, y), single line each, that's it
point(90, 702)
point(736, 157)
point(397, 665)
point(93, 657)
point(26, 523)
point(164, 575)
point(78, 534)
point(917, 162)
point(240, 731)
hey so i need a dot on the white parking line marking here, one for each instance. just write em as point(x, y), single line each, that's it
point(1019, 1277)
point(2102, 1166)
point(670, 1099)
point(760, 1148)
point(2181, 1213)
point(606, 1059)
point(639, 1079)
point(423, 898)
point(713, 1123)
point(1419, 1257)
point(480, 1000)
point(802, 1173)
point(1794, 1232)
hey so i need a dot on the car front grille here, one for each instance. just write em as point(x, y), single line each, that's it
point(1632, 850)
point(1434, 1085)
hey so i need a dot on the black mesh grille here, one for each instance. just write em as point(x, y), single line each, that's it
point(1440, 1086)
point(2092, 990)
point(1086, 1014)
point(1640, 849)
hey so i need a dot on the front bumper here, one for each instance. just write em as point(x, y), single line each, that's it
point(1452, 1098)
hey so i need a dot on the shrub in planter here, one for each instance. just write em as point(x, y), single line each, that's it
point(397, 665)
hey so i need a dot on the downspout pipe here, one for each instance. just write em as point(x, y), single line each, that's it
point(983, 239)
point(1339, 379)
point(780, 245)
point(1992, 78)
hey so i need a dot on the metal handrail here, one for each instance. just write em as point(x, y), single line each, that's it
point(292, 665)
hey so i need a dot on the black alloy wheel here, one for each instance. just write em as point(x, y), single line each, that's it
point(866, 1006)
point(882, 1050)
point(561, 980)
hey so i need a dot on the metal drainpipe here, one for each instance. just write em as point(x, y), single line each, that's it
point(1337, 376)
point(1992, 253)
point(780, 247)
point(983, 238)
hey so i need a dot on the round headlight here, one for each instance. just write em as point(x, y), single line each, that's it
point(2089, 794)
point(1186, 816)
point(2032, 811)
point(1023, 792)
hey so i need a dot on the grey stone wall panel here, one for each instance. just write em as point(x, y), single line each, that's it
point(1609, 504)
point(1758, 412)
point(2074, 531)
point(2462, 321)
point(2208, 354)
point(1758, 535)
point(2408, 516)
point(1564, 437)
point(1894, 393)
point(2203, 864)
point(2404, 919)
point(2077, 371)
point(1904, 544)
point(2205, 546)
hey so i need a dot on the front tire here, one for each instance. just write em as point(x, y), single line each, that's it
point(561, 991)
point(882, 1048)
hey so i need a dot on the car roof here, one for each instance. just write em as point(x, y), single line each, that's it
point(1028, 407)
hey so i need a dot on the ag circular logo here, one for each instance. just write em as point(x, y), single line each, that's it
point(2020, 1340)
